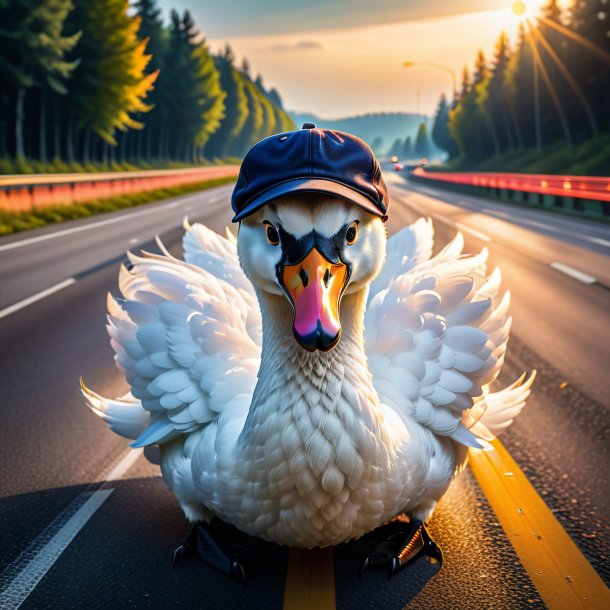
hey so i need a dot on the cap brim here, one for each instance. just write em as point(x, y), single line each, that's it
point(309, 185)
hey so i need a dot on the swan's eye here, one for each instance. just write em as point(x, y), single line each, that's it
point(272, 235)
point(352, 233)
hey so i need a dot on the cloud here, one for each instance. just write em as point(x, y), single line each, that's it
point(302, 45)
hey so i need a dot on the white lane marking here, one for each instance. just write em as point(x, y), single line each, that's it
point(472, 232)
point(20, 577)
point(134, 240)
point(540, 225)
point(7, 311)
point(487, 211)
point(124, 465)
point(93, 225)
point(534, 223)
point(598, 240)
point(575, 273)
point(560, 231)
point(443, 220)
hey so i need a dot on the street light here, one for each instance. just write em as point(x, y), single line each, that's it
point(447, 69)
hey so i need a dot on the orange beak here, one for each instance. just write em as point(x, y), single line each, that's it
point(315, 287)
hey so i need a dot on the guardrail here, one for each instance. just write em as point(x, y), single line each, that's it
point(25, 193)
point(585, 196)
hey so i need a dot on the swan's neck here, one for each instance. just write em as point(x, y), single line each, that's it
point(293, 379)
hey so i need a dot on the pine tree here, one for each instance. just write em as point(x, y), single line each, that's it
point(254, 122)
point(284, 121)
point(519, 92)
point(268, 126)
point(145, 143)
point(110, 83)
point(197, 101)
point(275, 97)
point(33, 49)
point(422, 143)
point(377, 145)
point(440, 130)
point(458, 115)
point(236, 108)
point(590, 20)
point(488, 142)
point(496, 102)
point(396, 149)
point(408, 153)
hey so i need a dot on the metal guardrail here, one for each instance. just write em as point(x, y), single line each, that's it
point(25, 193)
point(584, 196)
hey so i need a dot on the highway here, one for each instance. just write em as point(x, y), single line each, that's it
point(85, 522)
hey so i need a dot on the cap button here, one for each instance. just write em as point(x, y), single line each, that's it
point(308, 126)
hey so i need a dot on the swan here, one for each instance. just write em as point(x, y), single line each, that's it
point(310, 379)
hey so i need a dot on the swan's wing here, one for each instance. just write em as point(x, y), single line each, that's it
point(409, 247)
point(206, 249)
point(435, 339)
point(187, 339)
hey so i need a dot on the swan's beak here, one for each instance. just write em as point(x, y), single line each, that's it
point(314, 287)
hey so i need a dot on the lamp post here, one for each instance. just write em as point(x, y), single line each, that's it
point(447, 69)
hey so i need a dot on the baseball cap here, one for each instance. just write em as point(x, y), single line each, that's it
point(310, 160)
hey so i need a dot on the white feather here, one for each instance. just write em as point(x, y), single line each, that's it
point(451, 320)
point(310, 449)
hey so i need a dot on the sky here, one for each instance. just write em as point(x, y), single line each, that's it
point(338, 58)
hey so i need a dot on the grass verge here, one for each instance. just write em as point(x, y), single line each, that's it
point(21, 165)
point(591, 158)
point(13, 223)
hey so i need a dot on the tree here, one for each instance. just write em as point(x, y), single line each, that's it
point(253, 123)
point(458, 114)
point(236, 107)
point(588, 55)
point(275, 97)
point(440, 129)
point(268, 125)
point(110, 82)
point(519, 92)
point(486, 145)
point(407, 149)
point(396, 149)
point(495, 105)
point(422, 142)
point(138, 89)
point(197, 101)
point(33, 51)
point(151, 29)
point(377, 145)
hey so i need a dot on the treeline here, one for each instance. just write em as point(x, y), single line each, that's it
point(550, 93)
point(410, 150)
point(100, 81)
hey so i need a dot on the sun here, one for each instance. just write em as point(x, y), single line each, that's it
point(519, 8)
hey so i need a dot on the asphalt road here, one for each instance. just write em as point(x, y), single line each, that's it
point(55, 455)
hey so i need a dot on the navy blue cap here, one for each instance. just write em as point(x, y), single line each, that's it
point(310, 160)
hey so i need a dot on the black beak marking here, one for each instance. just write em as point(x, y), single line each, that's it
point(304, 277)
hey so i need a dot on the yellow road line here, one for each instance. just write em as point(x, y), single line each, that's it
point(310, 581)
point(562, 575)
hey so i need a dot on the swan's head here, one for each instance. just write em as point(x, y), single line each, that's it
point(313, 249)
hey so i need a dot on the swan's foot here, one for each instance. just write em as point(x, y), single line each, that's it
point(402, 547)
point(227, 558)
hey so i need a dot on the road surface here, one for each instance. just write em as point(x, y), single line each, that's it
point(85, 522)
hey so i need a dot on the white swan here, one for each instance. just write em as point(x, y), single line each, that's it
point(310, 448)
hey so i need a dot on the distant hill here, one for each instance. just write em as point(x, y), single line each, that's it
point(385, 125)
